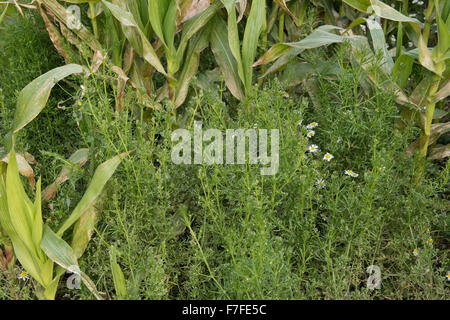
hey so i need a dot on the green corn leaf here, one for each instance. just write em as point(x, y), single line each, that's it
point(384, 11)
point(33, 98)
point(62, 254)
point(283, 61)
point(101, 176)
point(197, 44)
point(170, 24)
point(253, 29)
point(191, 27)
point(38, 225)
point(21, 209)
point(225, 58)
point(135, 35)
point(157, 10)
point(443, 32)
point(443, 92)
point(84, 228)
point(379, 44)
point(118, 277)
point(233, 36)
point(76, 160)
point(319, 37)
point(402, 70)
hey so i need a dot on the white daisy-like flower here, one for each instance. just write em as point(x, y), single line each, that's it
point(313, 148)
point(286, 95)
point(415, 252)
point(23, 276)
point(320, 184)
point(317, 197)
point(448, 276)
point(312, 125)
point(328, 156)
point(299, 123)
point(310, 133)
point(351, 173)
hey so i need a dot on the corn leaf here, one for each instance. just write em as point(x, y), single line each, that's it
point(253, 29)
point(33, 98)
point(62, 254)
point(118, 277)
point(102, 174)
point(136, 36)
point(76, 160)
point(225, 58)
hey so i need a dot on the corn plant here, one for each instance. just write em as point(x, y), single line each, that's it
point(36, 246)
point(139, 34)
point(435, 86)
point(392, 75)
point(235, 60)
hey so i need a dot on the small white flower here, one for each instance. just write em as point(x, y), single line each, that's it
point(420, 3)
point(414, 1)
point(415, 252)
point(23, 276)
point(317, 197)
point(351, 173)
point(313, 148)
point(312, 125)
point(286, 95)
point(448, 276)
point(393, 39)
point(410, 44)
point(320, 183)
point(328, 156)
point(255, 126)
point(300, 123)
point(310, 133)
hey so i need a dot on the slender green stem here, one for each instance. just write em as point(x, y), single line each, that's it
point(428, 20)
point(93, 19)
point(426, 131)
